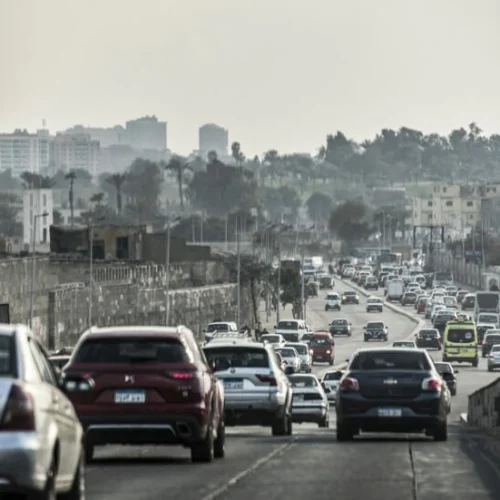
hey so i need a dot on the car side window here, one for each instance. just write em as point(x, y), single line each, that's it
point(42, 362)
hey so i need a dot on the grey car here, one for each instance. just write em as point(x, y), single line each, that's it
point(41, 452)
point(304, 353)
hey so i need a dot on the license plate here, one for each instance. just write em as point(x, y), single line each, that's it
point(130, 396)
point(390, 412)
point(233, 384)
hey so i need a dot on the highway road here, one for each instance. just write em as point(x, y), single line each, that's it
point(311, 464)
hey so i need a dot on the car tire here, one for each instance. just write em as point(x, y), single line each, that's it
point(475, 363)
point(220, 440)
point(326, 308)
point(280, 425)
point(324, 423)
point(289, 425)
point(490, 369)
point(330, 362)
point(441, 431)
point(366, 339)
point(204, 451)
point(454, 393)
point(78, 487)
point(88, 449)
point(344, 432)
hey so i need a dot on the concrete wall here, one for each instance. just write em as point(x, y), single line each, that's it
point(136, 305)
point(483, 408)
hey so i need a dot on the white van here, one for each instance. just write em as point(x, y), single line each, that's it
point(219, 327)
point(395, 290)
point(332, 302)
point(291, 329)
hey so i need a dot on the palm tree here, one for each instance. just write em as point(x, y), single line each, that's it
point(71, 176)
point(97, 198)
point(117, 181)
point(179, 165)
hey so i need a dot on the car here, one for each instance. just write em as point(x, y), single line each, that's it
point(322, 347)
point(405, 343)
point(429, 337)
point(483, 328)
point(460, 295)
point(371, 283)
point(421, 304)
point(450, 302)
point(409, 299)
point(468, 302)
point(219, 326)
point(326, 281)
point(494, 358)
point(374, 304)
point(274, 339)
point(304, 353)
point(332, 302)
point(257, 389)
point(146, 385)
point(349, 297)
point(290, 357)
point(392, 390)
point(491, 338)
point(306, 338)
point(449, 376)
point(341, 326)
point(41, 438)
point(58, 362)
point(310, 403)
point(442, 317)
point(330, 383)
point(375, 330)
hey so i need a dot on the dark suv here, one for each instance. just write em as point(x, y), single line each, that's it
point(349, 298)
point(490, 339)
point(138, 385)
point(429, 338)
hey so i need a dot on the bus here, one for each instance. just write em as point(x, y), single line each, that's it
point(442, 278)
point(391, 258)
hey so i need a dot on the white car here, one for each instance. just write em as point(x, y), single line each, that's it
point(41, 437)
point(332, 302)
point(330, 383)
point(290, 357)
point(407, 344)
point(309, 403)
point(275, 339)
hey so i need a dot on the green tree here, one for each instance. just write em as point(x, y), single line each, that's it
point(9, 211)
point(179, 166)
point(237, 154)
point(117, 181)
point(350, 222)
point(319, 206)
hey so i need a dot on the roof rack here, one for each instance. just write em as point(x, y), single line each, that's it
point(229, 335)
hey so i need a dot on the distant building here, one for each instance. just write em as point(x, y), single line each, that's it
point(24, 152)
point(147, 133)
point(213, 138)
point(111, 136)
point(35, 203)
point(71, 152)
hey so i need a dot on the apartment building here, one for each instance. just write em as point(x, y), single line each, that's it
point(24, 152)
point(35, 203)
point(212, 137)
point(75, 151)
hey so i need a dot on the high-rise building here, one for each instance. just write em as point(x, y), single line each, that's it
point(111, 136)
point(147, 133)
point(35, 203)
point(212, 137)
point(24, 152)
point(71, 152)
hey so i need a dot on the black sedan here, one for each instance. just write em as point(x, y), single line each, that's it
point(429, 337)
point(392, 390)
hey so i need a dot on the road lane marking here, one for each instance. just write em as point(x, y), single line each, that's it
point(241, 475)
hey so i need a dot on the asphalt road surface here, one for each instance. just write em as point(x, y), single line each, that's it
point(311, 464)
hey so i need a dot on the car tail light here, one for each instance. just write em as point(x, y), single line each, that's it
point(491, 355)
point(19, 413)
point(183, 375)
point(432, 384)
point(349, 384)
point(267, 379)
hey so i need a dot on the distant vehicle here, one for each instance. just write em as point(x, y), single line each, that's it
point(494, 358)
point(128, 385)
point(326, 281)
point(332, 302)
point(460, 342)
point(374, 304)
point(489, 318)
point(290, 357)
point(291, 329)
point(376, 330)
point(330, 383)
point(391, 386)
point(491, 338)
point(404, 343)
point(219, 326)
point(304, 354)
point(395, 290)
point(323, 347)
point(409, 298)
point(468, 302)
point(429, 337)
point(349, 297)
point(341, 326)
point(371, 283)
point(276, 340)
point(310, 403)
point(449, 376)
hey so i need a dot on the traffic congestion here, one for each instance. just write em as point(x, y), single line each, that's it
point(386, 354)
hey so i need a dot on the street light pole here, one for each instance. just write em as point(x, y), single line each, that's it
point(91, 271)
point(33, 265)
point(303, 288)
point(167, 269)
point(238, 271)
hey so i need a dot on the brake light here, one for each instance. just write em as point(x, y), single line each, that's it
point(183, 375)
point(19, 413)
point(349, 384)
point(267, 379)
point(432, 384)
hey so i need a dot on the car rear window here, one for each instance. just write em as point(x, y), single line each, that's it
point(333, 376)
point(390, 360)
point(349, 293)
point(288, 325)
point(488, 318)
point(126, 350)
point(217, 327)
point(302, 381)
point(443, 367)
point(271, 338)
point(339, 322)
point(429, 333)
point(7, 356)
point(301, 349)
point(460, 336)
point(286, 353)
point(375, 325)
point(493, 338)
point(238, 356)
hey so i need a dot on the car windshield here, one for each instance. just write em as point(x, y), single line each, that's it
point(7, 355)
point(288, 325)
point(460, 336)
point(429, 333)
point(350, 293)
point(303, 381)
point(445, 317)
point(333, 376)
point(332, 297)
point(390, 360)
point(286, 353)
point(307, 336)
point(217, 327)
point(375, 325)
point(488, 318)
point(127, 350)
point(492, 338)
point(320, 341)
point(238, 356)
point(300, 348)
point(272, 339)
point(448, 301)
point(339, 322)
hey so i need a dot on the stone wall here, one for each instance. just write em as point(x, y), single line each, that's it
point(136, 305)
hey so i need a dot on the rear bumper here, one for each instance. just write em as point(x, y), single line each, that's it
point(374, 308)
point(324, 358)
point(423, 344)
point(262, 410)
point(24, 463)
point(308, 414)
point(145, 429)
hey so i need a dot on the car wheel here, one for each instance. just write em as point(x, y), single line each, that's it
point(204, 451)
point(220, 441)
point(344, 432)
point(289, 426)
point(280, 425)
point(366, 339)
point(89, 452)
point(490, 369)
point(330, 362)
point(441, 431)
point(475, 363)
point(78, 488)
point(454, 393)
point(324, 422)
point(49, 492)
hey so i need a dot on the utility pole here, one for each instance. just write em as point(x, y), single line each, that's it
point(431, 228)
point(238, 271)
point(91, 267)
point(33, 265)
point(167, 268)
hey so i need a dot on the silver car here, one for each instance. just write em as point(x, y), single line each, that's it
point(494, 358)
point(304, 353)
point(290, 357)
point(41, 436)
point(257, 390)
point(310, 403)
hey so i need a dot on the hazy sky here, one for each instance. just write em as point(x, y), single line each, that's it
point(277, 73)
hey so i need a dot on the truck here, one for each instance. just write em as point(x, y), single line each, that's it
point(395, 290)
point(487, 302)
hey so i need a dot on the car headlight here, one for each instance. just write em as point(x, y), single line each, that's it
point(328, 352)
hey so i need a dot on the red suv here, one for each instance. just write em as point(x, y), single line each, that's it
point(146, 386)
point(322, 347)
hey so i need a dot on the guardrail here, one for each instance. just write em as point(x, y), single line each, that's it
point(483, 410)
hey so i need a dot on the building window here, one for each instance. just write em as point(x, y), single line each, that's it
point(471, 216)
point(445, 189)
point(449, 203)
point(429, 217)
point(429, 203)
point(31, 199)
point(470, 203)
point(44, 200)
point(44, 235)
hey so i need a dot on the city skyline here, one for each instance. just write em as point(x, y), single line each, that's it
point(283, 79)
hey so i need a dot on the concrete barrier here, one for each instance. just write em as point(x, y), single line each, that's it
point(483, 408)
